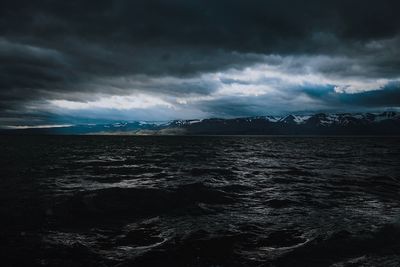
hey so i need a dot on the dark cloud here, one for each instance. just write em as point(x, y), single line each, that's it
point(53, 49)
point(387, 97)
point(255, 25)
point(318, 99)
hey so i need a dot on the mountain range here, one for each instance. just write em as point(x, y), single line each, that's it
point(384, 123)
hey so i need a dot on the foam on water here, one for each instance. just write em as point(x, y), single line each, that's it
point(200, 201)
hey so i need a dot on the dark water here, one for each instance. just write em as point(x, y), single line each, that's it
point(199, 201)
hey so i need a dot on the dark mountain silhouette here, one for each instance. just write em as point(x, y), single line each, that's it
point(385, 123)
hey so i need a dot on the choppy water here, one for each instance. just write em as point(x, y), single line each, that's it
point(199, 201)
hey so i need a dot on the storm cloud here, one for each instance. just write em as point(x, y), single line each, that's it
point(159, 59)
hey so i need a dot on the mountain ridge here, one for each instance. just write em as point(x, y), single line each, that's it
point(384, 123)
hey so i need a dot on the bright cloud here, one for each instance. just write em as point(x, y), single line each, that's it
point(279, 84)
point(139, 101)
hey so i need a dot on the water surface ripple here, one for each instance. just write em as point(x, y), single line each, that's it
point(200, 201)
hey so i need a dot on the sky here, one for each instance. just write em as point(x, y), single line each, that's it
point(76, 61)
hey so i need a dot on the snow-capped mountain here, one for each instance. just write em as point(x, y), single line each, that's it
point(320, 123)
point(384, 123)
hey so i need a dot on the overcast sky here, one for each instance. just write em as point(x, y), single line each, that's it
point(98, 60)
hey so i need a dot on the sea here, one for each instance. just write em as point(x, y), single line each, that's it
point(199, 201)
